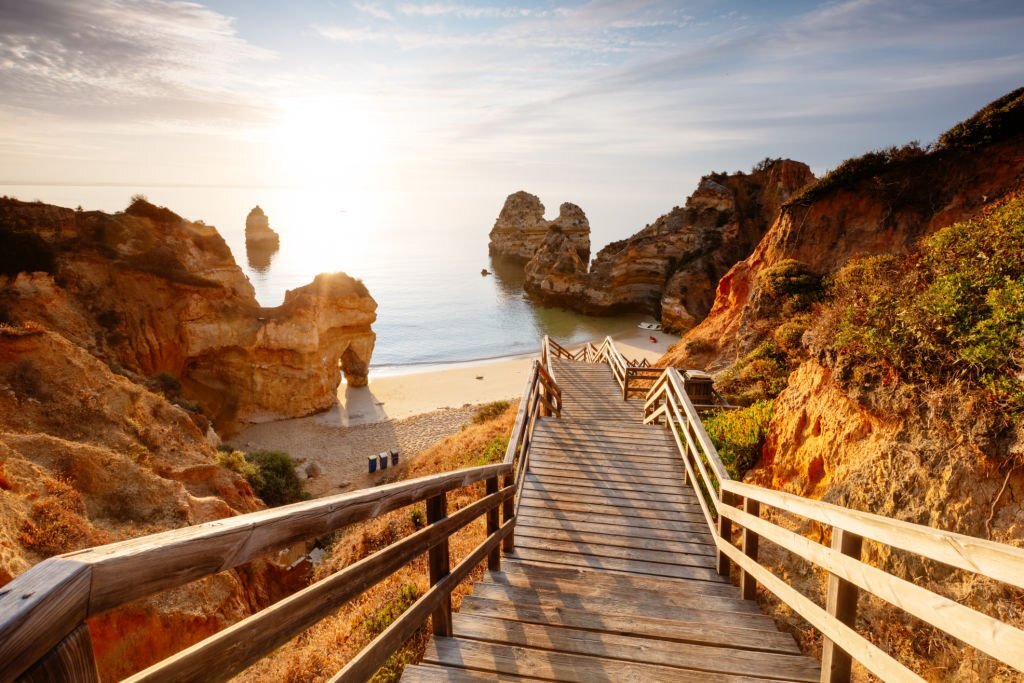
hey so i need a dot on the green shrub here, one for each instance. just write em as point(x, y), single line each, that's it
point(236, 462)
point(417, 518)
point(791, 286)
point(739, 435)
point(1000, 119)
point(374, 625)
point(789, 336)
point(854, 170)
point(489, 411)
point(276, 483)
point(953, 310)
point(168, 384)
point(760, 375)
point(492, 452)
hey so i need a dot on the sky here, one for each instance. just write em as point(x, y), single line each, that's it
point(602, 100)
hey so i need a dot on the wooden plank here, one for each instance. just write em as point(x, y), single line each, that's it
point(428, 673)
point(514, 441)
point(557, 477)
point(573, 512)
point(590, 582)
point(635, 543)
point(871, 657)
point(612, 431)
point(995, 560)
point(71, 660)
point(245, 642)
point(603, 501)
point(560, 457)
point(614, 495)
point(841, 603)
point(589, 472)
point(614, 551)
point(612, 451)
point(710, 630)
point(664, 605)
point(439, 564)
point(587, 521)
point(493, 524)
point(632, 566)
point(560, 666)
point(38, 610)
point(642, 650)
point(371, 657)
point(124, 571)
point(748, 585)
point(996, 639)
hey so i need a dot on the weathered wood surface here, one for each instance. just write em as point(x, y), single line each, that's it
point(614, 573)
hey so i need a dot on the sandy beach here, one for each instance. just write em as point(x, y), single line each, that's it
point(409, 411)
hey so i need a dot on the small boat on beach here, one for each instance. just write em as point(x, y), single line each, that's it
point(656, 327)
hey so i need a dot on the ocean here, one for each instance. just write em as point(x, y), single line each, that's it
point(420, 257)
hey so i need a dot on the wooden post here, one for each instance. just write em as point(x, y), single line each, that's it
point(509, 512)
point(725, 533)
point(748, 585)
point(494, 557)
point(841, 603)
point(70, 660)
point(440, 566)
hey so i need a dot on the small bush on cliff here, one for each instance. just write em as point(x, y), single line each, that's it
point(1001, 119)
point(58, 524)
point(739, 435)
point(489, 411)
point(492, 452)
point(236, 462)
point(374, 625)
point(854, 170)
point(952, 311)
point(276, 482)
point(760, 375)
point(790, 286)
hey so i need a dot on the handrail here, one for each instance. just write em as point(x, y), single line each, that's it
point(726, 502)
point(46, 604)
point(42, 612)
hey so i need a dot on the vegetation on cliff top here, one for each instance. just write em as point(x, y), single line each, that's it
point(951, 311)
point(739, 435)
point(999, 120)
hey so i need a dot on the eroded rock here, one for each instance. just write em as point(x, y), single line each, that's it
point(521, 228)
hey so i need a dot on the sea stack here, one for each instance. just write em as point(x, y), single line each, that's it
point(258, 230)
point(521, 228)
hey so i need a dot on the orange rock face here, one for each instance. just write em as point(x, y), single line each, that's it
point(671, 267)
point(152, 293)
point(521, 228)
point(884, 213)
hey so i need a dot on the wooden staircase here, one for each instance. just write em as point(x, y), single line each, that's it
point(612, 532)
point(614, 575)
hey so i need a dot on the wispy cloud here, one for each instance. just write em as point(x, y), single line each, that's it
point(374, 10)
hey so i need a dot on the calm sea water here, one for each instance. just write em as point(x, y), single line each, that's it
point(420, 259)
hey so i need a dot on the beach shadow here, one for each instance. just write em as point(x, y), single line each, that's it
point(355, 406)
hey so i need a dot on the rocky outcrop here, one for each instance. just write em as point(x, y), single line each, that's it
point(521, 228)
point(671, 267)
point(151, 293)
point(88, 457)
point(258, 230)
point(874, 211)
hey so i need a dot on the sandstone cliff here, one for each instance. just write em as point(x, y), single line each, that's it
point(671, 267)
point(89, 457)
point(893, 369)
point(882, 202)
point(151, 293)
point(521, 228)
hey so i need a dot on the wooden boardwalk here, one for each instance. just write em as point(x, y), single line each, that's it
point(613, 577)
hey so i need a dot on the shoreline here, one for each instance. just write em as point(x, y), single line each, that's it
point(411, 411)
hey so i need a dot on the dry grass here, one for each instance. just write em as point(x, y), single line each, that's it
point(58, 523)
point(324, 649)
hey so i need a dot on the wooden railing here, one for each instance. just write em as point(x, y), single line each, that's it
point(726, 503)
point(43, 635)
point(42, 612)
point(540, 398)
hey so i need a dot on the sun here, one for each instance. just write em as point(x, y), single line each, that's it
point(328, 145)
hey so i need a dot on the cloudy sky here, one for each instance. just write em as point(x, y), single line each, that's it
point(635, 97)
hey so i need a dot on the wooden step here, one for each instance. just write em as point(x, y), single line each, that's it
point(711, 632)
point(605, 550)
point(558, 666)
point(595, 539)
point(530, 490)
point(530, 513)
point(695, 533)
point(630, 566)
point(557, 477)
point(430, 673)
point(641, 650)
point(594, 473)
point(635, 497)
point(614, 515)
point(586, 581)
